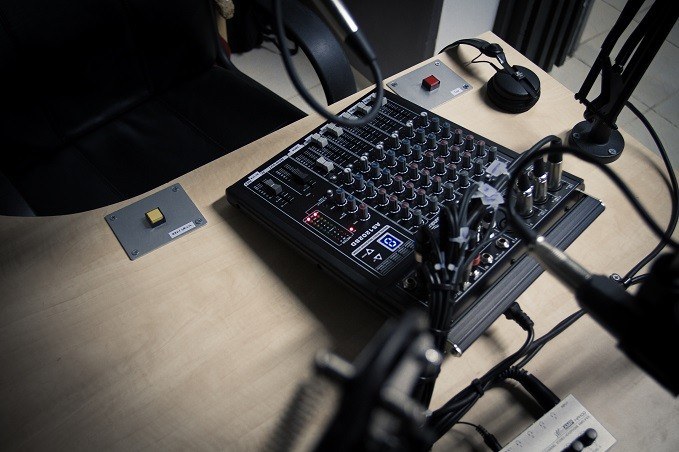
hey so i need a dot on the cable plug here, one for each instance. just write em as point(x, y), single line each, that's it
point(488, 438)
point(515, 313)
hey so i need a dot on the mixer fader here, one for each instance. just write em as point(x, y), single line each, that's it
point(351, 199)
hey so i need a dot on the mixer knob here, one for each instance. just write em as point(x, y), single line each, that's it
point(391, 158)
point(363, 164)
point(363, 212)
point(440, 166)
point(458, 138)
point(405, 211)
point(378, 152)
point(417, 216)
point(464, 178)
point(433, 206)
point(410, 129)
point(417, 153)
point(340, 196)
point(435, 124)
point(452, 172)
point(370, 190)
point(445, 131)
point(469, 143)
point(359, 182)
point(351, 204)
point(448, 191)
point(393, 203)
point(479, 168)
point(437, 184)
point(492, 154)
point(426, 178)
point(467, 160)
point(410, 191)
point(421, 197)
point(413, 171)
point(375, 170)
point(443, 149)
point(423, 119)
point(429, 159)
point(398, 183)
point(393, 141)
point(386, 178)
point(481, 148)
point(347, 177)
point(455, 154)
point(401, 164)
point(420, 135)
point(431, 141)
point(405, 147)
point(382, 198)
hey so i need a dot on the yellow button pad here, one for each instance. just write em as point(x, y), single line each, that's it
point(155, 217)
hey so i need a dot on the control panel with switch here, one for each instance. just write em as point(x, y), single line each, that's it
point(430, 85)
point(156, 220)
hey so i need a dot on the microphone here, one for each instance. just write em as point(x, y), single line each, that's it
point(644, 324)
point(345, 26)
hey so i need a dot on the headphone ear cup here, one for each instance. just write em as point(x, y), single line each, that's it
point(508, 94)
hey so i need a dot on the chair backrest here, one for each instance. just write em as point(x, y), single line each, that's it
point(68, 66)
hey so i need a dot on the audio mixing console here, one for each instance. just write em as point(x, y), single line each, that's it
point(351, 200)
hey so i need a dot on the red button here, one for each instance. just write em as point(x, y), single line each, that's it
point(430, 83)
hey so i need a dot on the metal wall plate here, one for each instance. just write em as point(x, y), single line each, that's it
point(409, 86)
point(135, 233)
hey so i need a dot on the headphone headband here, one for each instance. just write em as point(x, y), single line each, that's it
point(495, 51)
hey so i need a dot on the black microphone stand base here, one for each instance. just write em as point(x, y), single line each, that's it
point(598, 140)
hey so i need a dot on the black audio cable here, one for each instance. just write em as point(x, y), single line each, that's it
point(359, 45)
point(652, 310)
point(629, 279)
point(430, 264)
point(452, 411)
point(488, 438)
point(442, 264)
point(559, 328)
point(530, 235)
point(544, 396)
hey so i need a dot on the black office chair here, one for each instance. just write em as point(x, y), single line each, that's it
point(104, 100)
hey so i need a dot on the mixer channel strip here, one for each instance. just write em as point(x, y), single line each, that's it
point(351, 200)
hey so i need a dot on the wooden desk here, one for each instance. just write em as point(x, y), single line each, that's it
point(200, 344)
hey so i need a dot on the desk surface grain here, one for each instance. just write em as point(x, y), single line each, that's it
point(200, 344)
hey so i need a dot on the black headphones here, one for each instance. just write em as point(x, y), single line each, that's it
point(513, 88)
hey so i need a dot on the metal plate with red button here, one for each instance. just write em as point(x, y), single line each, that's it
point(430, 85)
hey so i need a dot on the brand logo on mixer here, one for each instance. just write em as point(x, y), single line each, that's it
point(361, 237)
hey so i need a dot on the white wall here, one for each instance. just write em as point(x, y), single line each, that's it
point(464, 19)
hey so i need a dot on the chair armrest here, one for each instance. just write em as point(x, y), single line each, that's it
point(11, 201)
point(319, 44)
